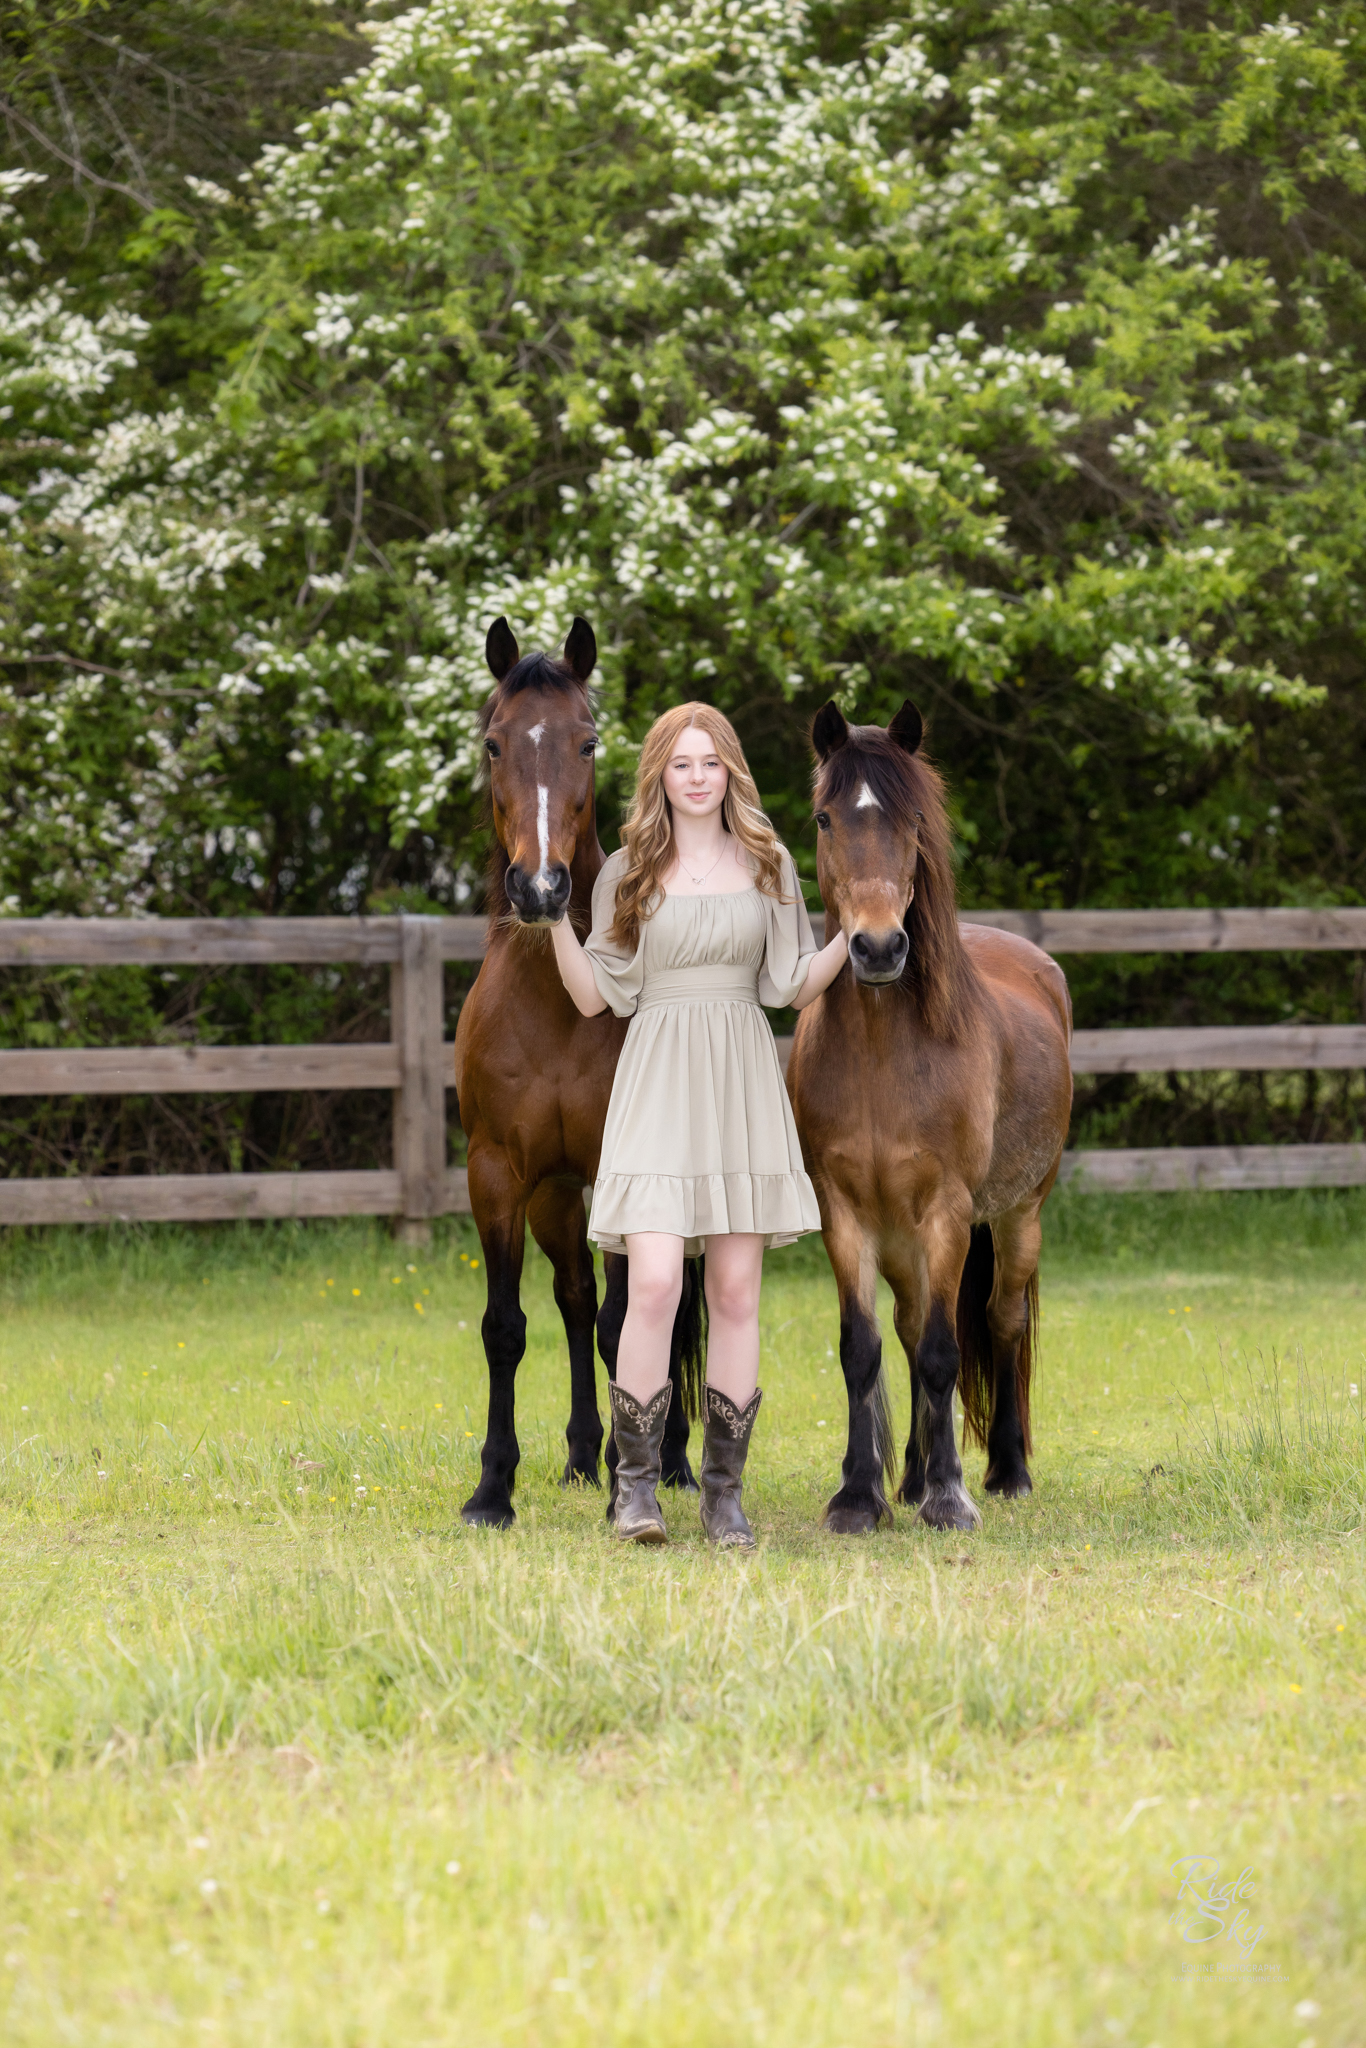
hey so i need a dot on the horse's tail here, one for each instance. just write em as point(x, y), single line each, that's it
point(884, 1437)
point(976, 1371)
point(690, 1332)
point(1024, 1357)
point(976, 1374)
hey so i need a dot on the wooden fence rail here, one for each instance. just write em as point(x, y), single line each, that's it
point(416, 1063)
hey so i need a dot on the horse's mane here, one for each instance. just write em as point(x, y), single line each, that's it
point(938, 975)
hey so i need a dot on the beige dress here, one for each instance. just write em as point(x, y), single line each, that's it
point(699, 1137)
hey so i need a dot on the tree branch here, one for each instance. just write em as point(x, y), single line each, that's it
point(82, 170)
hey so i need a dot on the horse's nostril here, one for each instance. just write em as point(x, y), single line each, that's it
point(878, 958)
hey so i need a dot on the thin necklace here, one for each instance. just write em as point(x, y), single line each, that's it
point(698, 880)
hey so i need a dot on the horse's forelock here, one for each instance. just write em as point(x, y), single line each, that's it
point(538, 671)
point(871, 756)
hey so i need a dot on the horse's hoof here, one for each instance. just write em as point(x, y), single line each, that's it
point(1011, 1485)
point(852, 1517)
point(580, 1475)
point(480, 1514)
point(911, 1490)
point(949, 1507)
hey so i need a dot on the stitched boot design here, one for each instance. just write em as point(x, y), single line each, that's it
point(639, 1431)
point(725, 1446)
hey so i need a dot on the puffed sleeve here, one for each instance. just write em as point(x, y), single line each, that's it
point(618, 974)
point(791, 943)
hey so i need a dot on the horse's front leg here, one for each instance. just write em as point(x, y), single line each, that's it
point(944, 1502)
point(905, 1274)
point(500, 1216)
point(861, 1502)
point(560, 1228)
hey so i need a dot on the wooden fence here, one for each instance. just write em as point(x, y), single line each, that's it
point(416, 1063)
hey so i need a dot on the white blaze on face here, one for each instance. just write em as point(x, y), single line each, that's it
point(865, 798)
point(543, 823)
point(535, 734)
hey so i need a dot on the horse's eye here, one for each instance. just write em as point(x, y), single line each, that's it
point(491, 747)
point(588, 749)
point(823, 820)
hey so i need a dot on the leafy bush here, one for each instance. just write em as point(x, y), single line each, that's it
point(1007, 357)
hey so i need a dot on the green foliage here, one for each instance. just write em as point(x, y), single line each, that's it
point(1008, 358)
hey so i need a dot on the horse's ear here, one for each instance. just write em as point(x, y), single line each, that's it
point(581, 649)
point(500, 648)
point(907, 728)
point(829, 730)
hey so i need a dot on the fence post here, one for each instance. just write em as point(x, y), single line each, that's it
point(417, 1011)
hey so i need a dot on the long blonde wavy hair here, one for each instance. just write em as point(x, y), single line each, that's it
point(648, 834)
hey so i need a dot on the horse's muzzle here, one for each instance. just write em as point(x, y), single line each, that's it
point(878, 959)
point(541, 898)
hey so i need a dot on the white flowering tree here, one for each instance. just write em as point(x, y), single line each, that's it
point(805, 349)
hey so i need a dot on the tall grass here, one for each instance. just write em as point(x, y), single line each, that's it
point(510, 1649)
point(1270, 1445)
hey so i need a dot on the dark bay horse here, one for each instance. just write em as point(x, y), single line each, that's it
point(533, 1076)
point(932, 1089)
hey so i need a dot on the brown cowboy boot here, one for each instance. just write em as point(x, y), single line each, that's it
point(725, 1446)
point(639, 1433)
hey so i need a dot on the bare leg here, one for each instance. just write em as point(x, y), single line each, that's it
point(735, 1271)
point(656, 1282)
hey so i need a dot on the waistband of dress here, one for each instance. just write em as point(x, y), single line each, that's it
point(700, 985)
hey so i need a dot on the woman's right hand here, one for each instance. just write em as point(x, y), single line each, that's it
point(576, 971)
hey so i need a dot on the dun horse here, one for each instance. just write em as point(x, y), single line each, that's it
point(932, 1089)
point(533, 1076)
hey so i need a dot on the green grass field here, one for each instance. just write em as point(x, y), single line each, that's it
point(289, 1756)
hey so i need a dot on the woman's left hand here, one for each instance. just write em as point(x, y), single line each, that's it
point(822, 971)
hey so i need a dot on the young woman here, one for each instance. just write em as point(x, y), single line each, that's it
point(696, 922)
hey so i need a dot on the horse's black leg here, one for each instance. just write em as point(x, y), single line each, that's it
point(611, 1316)
point(686, 1366)
point(560, 1228)
point(861, 1503)
point(1017, 1239)
point(502, 1233)
point(907, 1322)
point(945, 1502)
